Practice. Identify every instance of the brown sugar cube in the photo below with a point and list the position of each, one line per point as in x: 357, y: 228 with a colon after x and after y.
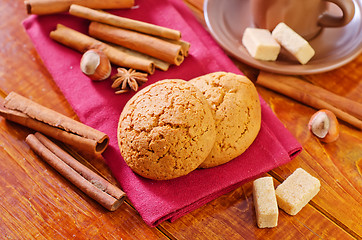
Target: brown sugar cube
x: 265, y: 202
x: 296, y: 191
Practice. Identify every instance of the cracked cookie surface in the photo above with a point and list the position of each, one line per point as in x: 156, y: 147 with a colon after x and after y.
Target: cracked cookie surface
x: 236, y: 108
x: 166, y: 130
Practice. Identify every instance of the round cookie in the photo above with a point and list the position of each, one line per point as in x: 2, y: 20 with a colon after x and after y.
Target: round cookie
x: 236, y: 107
x: 166, y: 130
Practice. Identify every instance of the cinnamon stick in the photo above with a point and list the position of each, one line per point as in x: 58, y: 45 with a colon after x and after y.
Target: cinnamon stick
x: 155, y: 47
x: 114, y: 20
x: 347, y: 105
x: 82, y: 177
x: 306, y: 98
x: 82, y: 43
x: 158, y: 63
x: 23, y: 111
x: 42, y: 7
x: 185, y: 46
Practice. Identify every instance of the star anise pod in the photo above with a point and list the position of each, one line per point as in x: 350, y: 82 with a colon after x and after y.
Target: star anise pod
x: 124, y: 80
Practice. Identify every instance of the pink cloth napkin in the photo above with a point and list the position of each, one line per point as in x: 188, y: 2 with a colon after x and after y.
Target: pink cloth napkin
x: 98, y: 106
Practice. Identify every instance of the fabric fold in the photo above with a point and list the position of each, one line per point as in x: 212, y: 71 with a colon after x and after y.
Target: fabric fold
x: 97, y: 106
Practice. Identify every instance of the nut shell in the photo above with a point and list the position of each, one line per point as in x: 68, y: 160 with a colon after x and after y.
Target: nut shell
x: 332, y: 128
x: 96, y: 65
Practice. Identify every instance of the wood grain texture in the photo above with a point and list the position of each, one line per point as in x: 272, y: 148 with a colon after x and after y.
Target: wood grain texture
x: 37, y: 203
x: 335, y: 164
x: 232, y: 216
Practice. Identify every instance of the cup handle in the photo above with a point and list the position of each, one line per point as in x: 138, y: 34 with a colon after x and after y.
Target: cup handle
x: 347, y: 7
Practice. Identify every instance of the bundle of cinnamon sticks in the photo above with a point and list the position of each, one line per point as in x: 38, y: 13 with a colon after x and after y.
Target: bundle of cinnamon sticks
x: 314, y: 96
x: 96, y: 187
x: 126, y: 42
x: 23, y: 111
x: 30, y: 114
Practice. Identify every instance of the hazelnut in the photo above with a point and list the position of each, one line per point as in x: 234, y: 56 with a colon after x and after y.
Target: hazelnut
x: 324, y: 125
x: 96, y: 65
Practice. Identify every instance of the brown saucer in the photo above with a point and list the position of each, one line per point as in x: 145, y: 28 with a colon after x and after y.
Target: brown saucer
x: 227, y: 20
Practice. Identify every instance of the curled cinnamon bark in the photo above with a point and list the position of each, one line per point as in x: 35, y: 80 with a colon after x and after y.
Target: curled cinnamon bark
x: 82, y: 177
x: 81, y: 42
x: 114, y: 20
x: 347, y: 105
x: 42, y: 7
x: 185, y: 46
x: 159, y: 64
x: 23, y: 111
x: 310, y: 96
x: 155, y: 47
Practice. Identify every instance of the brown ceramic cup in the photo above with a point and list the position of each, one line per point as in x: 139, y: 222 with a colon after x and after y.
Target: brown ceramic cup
x: 306, y: 17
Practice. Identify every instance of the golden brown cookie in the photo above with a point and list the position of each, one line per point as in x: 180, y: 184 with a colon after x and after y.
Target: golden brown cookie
x: 236, y: 107
x: 166, y: 130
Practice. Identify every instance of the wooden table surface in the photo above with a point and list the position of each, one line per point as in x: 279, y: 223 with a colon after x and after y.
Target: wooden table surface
x: 37, y: 203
